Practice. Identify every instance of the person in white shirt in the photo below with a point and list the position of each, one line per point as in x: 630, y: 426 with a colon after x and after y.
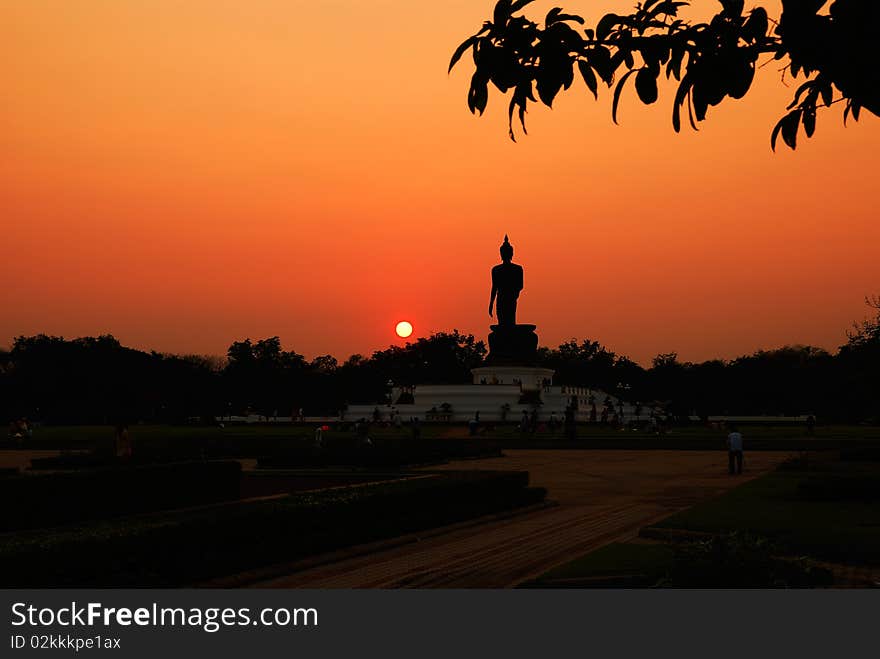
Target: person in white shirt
x: 734, y: 451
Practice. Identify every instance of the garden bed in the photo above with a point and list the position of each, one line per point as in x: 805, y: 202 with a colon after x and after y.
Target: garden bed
x: 48, y: 499
x: 178, y: 548
x: 380, y: 454
x: 338, y: 449
x: 730, y: 560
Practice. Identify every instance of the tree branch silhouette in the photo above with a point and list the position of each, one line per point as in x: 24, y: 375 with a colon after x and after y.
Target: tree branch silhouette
x: 834, y: 52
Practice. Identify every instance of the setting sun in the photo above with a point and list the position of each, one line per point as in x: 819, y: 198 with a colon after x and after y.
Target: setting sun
x: 404, y: 329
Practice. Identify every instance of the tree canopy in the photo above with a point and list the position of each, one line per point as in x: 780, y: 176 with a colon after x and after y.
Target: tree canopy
x: 832, y: 51
x: 97, y: 380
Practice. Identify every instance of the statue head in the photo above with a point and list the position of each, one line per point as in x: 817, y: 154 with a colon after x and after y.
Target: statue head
x: 506, y: 250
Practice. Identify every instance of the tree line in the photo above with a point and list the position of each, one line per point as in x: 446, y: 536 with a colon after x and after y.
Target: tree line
x: 98, y: 380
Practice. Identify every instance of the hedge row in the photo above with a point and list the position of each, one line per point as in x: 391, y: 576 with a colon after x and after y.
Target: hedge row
x: 40, y: 500
x: 380, y: 454
x: 291, y: 452
x: 182, y: 548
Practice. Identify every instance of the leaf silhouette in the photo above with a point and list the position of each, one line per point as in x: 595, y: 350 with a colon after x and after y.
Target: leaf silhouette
x: 503, y: 9
x: 787, y: 126
x: 589, y: 77
x: 478, y: 95
x: 467, y: 43
x: 713, y: 60
x: 552, y: 16
x: 827, y: 94
x: 757, y: 23
x: 646, y: 86
x: 617, y: 91
x: 809, y: 123
x: 570, y: 17
x: 790, y: 127
x: 603, y: 29
x: 680, y: 97
x: 733, y: 7
x: 519, y: 4
x: 549, y: 85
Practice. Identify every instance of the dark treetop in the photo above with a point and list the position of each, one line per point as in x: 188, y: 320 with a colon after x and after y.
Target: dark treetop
x: 835, y: 50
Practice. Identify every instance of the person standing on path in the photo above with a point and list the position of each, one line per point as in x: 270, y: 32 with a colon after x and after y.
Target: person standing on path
x: 570, y: 423
x: 734, y: 451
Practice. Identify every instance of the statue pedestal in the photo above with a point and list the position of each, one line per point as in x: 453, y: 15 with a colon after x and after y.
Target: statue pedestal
x: 512, y: 345
x: 513, y: 352
x: 526, y: 378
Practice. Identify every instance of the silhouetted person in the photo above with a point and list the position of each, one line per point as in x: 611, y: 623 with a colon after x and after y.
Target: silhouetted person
x: 122, y: 444
x: 507, y: 282
x: 416, y: 428
x: 19, y: 431
x: 363, y: 432
x: 734, y: 451
x: 811, y: 425
x: 569, y: 422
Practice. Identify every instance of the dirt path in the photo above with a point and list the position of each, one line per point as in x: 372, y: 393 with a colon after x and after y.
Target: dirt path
x: 603, y: 496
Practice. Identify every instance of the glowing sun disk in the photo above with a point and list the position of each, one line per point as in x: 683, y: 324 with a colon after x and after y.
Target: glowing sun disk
x: 404, y: 329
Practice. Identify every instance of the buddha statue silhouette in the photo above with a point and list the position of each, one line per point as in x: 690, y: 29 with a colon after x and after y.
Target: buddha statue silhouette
x: 507, y: 282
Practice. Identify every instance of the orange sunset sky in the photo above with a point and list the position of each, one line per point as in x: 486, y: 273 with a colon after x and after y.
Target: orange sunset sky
x: 186, y: 174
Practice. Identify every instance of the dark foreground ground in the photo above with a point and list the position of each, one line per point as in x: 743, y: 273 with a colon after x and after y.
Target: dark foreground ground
x: 602, y: 496
x: 812, y: 522
x: 446, y: 510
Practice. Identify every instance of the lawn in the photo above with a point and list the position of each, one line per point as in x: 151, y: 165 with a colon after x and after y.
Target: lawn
x: 837, y: 528
x: 767, y: 532
x: 644, y: 563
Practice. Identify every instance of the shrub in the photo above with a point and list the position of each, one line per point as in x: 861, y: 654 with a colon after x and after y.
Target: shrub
x: 186, y: 547
x: 386, y: 453
x: 740, y: 560
x: 40, y: 500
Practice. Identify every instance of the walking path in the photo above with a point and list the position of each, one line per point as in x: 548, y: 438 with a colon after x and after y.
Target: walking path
x: 603, y: 496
